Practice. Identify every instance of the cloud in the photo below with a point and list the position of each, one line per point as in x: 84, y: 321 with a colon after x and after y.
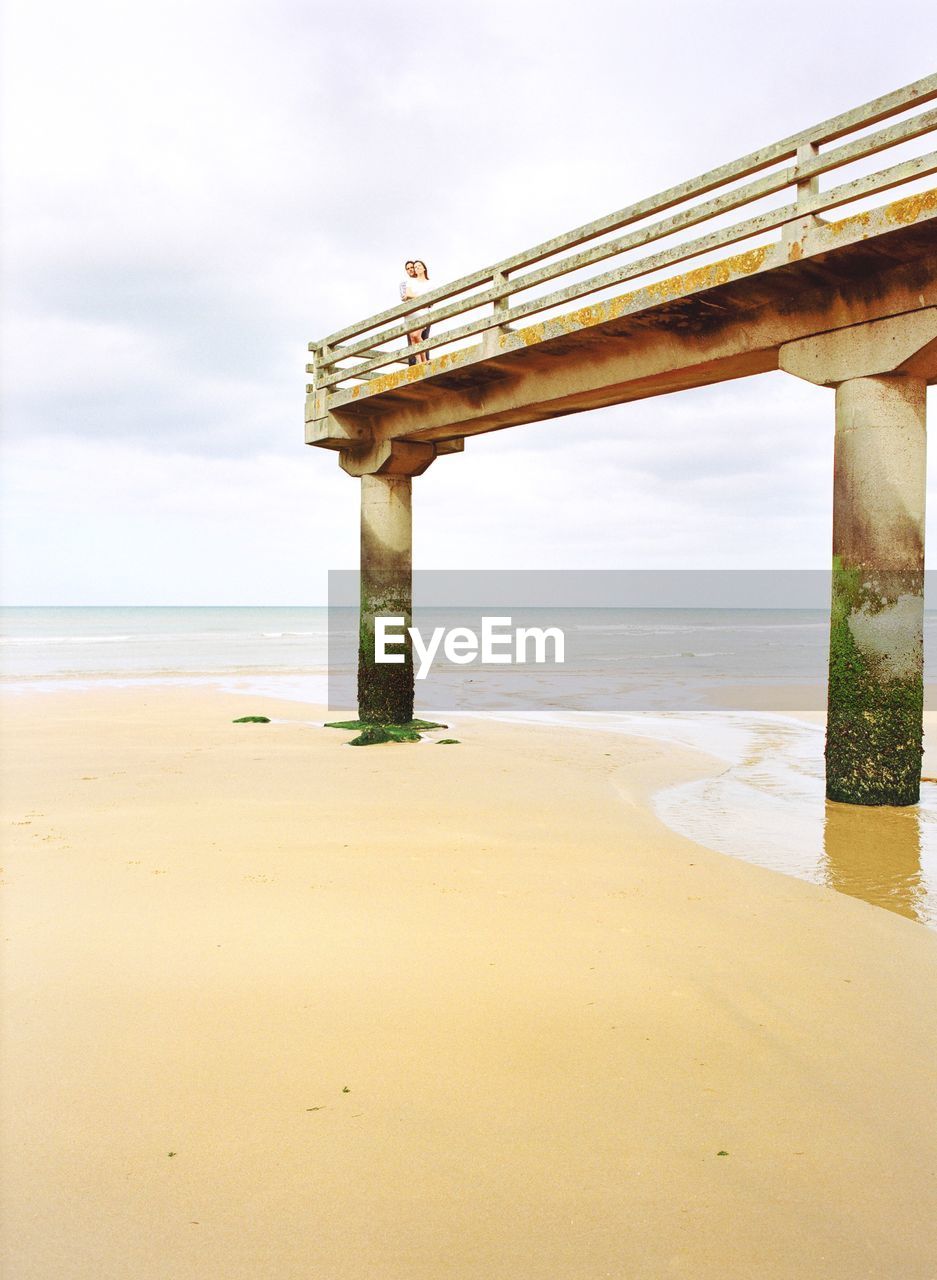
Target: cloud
x: 193, y: 191
x: 88, y: 522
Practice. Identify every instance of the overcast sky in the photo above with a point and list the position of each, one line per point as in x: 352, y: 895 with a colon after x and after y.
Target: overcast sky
x: 194, y: 190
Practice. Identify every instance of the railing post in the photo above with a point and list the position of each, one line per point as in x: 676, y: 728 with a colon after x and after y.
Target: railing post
x: 490, y: 344
x: 319, y: 371
x: 795, y: 232
x: 312, y: 388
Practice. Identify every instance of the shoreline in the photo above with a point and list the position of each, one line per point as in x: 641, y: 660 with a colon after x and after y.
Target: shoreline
x: 551, y: 1014
x: 765, y: 802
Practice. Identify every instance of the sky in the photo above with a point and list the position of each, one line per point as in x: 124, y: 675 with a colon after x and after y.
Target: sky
x: 193, y: 191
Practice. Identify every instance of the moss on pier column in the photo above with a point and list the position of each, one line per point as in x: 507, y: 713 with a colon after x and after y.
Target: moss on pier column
x: 876, y: 691
x: 385, y: 690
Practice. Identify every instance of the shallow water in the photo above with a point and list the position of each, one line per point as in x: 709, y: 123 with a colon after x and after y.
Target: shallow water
x: 768, y: 807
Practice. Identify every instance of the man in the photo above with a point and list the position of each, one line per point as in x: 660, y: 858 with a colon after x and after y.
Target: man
x: 404, y: 288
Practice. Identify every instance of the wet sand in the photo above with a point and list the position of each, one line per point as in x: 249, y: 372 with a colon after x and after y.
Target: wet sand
x: 277, y: 1007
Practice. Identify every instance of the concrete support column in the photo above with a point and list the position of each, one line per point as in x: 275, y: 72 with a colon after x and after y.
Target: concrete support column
x: 386, y: 469
x: 876, y: 683
x: 385, y: 691
x: 880, y: 369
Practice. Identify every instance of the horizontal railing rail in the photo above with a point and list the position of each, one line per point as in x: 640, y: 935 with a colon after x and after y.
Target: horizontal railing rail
x: 503, y: 282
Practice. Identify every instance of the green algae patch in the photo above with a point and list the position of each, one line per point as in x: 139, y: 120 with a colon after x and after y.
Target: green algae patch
x: 370, y: 733
x: 419, y: 725
x: 385, y: 691
x: 874, y: 739
x: 448, y: 742
x: 252, y: 720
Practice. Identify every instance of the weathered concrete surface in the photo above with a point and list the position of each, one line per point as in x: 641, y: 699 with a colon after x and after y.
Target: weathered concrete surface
x: 388, y: 458
x: 874, y: 739
x: 715, y: 323
x: 876, y: 682
x: 386, y: 469
x: 905, y: 343
x: 393, y: 457
x: 385, y: 691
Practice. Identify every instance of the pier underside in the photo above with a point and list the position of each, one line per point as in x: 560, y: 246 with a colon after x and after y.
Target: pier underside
x: 650, y: 342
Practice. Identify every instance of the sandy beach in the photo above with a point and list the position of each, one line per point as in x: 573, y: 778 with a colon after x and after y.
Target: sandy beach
x: 277, y: 1007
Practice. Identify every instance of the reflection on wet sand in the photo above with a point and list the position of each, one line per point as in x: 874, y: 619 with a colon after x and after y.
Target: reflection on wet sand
x: 768, y: 807
x: 875, y: 855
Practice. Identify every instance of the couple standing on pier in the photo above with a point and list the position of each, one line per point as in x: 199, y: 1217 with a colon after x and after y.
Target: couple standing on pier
x: 416, y: 284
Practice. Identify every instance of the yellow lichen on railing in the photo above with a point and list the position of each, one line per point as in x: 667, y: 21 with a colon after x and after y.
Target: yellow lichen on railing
x: 903, y: 212
x: 714, y: 273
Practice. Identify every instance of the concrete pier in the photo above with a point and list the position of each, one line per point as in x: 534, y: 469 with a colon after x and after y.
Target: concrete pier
x: 874, y: 739
x: 847, y: 302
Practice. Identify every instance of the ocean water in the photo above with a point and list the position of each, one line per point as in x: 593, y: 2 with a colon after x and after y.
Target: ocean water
x: 657, y: 673
x: 43, y: 644
x: 620, y: 659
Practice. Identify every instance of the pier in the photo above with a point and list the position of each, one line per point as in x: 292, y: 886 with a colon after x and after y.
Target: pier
x: 760, y: 265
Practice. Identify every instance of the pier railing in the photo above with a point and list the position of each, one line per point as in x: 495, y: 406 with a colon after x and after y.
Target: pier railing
x: 481, y: 304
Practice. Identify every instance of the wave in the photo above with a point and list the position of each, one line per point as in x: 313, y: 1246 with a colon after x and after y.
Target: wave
x: 636, y: 658
x: 38, y: 640
x: 671, y: 628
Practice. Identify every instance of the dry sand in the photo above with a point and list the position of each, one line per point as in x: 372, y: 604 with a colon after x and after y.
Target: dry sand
x: 274, y: 1007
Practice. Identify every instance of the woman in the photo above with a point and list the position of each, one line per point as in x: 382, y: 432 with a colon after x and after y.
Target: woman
x: 416, y: 284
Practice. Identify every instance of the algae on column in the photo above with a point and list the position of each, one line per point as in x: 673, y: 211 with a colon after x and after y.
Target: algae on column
x: 874, y: 737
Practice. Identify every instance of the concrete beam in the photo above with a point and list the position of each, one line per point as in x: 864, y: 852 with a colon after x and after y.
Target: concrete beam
x: 326, y: 431
x: 896, y: 344
x: 388, y: 458
x: 395, y: 457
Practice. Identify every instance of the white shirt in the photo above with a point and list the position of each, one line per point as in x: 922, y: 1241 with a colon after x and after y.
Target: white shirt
x: 414, y: 287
